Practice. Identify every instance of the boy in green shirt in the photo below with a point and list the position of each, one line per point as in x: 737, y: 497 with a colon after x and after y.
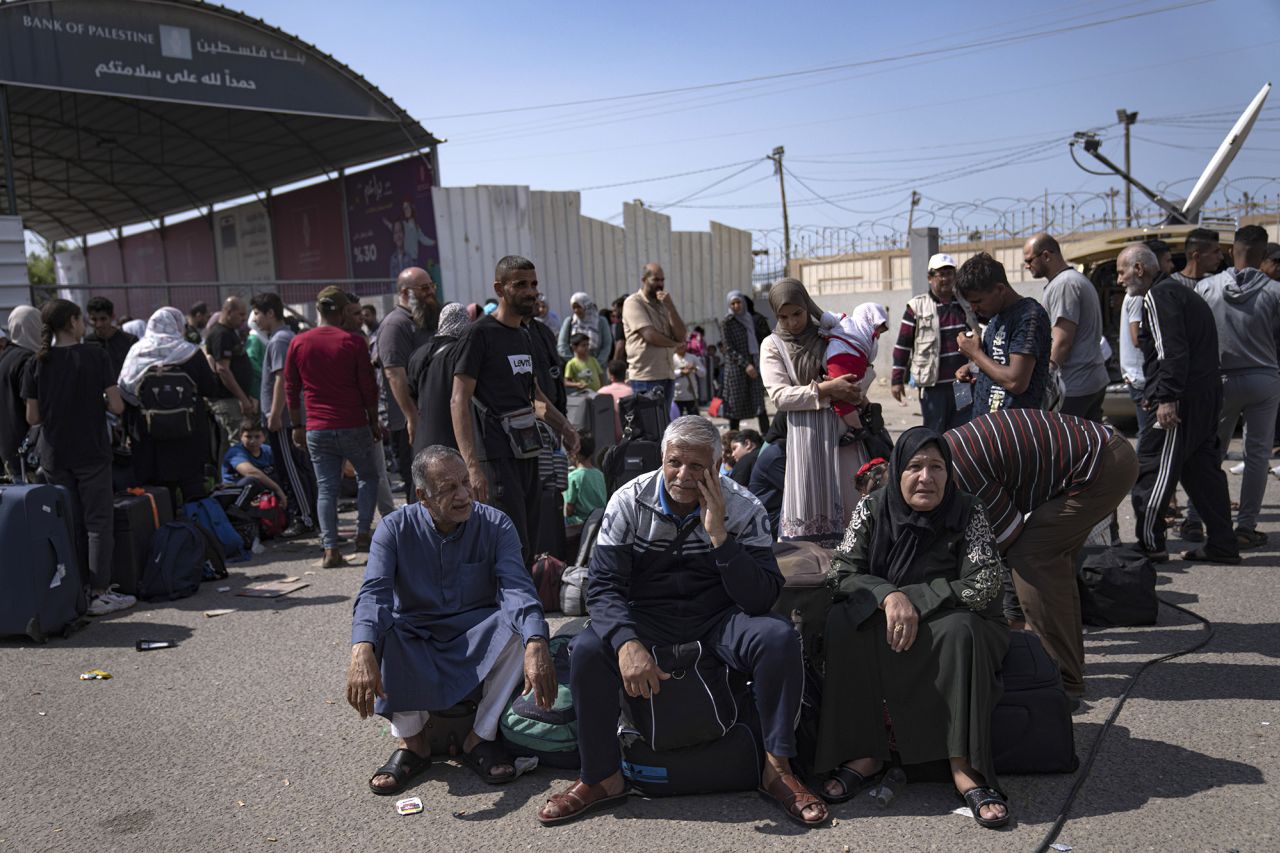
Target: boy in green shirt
x: 586, y: 484
x: 583, y: 372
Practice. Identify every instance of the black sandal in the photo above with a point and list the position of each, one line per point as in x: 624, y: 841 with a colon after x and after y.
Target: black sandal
x: 404, y: 766
x: 486, y: 755
x: 976, y: 798
x: 851, y: 779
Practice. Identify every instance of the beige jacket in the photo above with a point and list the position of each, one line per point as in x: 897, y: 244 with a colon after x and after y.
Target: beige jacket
x: 779, y: 381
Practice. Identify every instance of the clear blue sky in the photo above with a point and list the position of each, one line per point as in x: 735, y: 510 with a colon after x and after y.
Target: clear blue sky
x: 877, y: 130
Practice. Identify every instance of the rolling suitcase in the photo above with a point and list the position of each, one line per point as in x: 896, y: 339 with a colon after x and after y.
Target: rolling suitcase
x: 40, y: 572
x: 592, y: 414
x: 139, y: 513
x: 806, y: 592
x: 1031, y: 725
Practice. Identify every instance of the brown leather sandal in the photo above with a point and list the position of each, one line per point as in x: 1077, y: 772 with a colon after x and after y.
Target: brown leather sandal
x: 790, y: 793
x: 578, y: 799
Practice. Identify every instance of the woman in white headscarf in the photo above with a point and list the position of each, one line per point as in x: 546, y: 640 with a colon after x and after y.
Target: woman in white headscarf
x: 178, y: 463
x: 137, y: 328
x: 585, y: 319
x: 24, y: 340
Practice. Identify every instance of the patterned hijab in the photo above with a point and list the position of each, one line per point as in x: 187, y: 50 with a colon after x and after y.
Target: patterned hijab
x: 454, y: 319
x: 807, y: 349
x: 165, y: 342
x: 744, y: 317
x: 902, y: 533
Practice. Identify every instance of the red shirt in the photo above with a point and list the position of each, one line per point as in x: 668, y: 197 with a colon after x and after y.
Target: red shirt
x: 329, y: 368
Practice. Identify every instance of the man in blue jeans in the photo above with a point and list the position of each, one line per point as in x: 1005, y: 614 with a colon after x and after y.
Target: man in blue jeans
x: 329, y: 367
x: 652, y: 329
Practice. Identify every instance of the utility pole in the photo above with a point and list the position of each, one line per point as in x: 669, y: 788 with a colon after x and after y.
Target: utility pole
x: 1127, y: 119
x: 776, y: 157
x: 911, y: 213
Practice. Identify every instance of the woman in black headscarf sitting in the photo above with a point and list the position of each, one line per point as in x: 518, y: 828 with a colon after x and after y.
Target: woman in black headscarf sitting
x: 915, y: 640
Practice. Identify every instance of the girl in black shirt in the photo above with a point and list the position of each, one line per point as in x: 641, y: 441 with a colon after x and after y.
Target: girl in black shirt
x: 69, y: 386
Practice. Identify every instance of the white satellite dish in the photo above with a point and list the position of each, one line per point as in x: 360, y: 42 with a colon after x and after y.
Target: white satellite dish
x: 1222, y: 159
x: 1189, y: 212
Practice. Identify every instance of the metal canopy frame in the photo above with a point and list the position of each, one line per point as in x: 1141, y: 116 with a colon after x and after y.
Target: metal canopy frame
x: 78, y: 162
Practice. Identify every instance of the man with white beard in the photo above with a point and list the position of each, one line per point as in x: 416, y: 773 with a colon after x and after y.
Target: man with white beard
x: 408, y: 326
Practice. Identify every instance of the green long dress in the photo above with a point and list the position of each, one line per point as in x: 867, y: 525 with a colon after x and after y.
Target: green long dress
x: 939, y: 693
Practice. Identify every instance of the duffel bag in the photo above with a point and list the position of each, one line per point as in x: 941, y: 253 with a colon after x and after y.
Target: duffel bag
x: 732, y: 762
x: 695, y: 705
x: 573, y: 591
x: 1117, y: 587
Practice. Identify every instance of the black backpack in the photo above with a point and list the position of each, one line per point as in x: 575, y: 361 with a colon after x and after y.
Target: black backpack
x: 176, y: 565
x: 168, y: 399
x: 629, y: 459
x: 644, y: 415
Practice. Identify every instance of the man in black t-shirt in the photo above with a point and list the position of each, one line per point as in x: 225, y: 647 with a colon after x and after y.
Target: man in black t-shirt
x: 406, y: 327
x: 495, y: 368
x: 102, y: 317
x: 236, y: 398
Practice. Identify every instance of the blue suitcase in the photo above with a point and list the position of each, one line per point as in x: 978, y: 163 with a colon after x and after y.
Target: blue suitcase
x: 44, y: 587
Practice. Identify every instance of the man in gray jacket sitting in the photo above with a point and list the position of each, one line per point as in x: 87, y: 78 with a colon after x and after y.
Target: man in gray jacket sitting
x: 1246, y: 310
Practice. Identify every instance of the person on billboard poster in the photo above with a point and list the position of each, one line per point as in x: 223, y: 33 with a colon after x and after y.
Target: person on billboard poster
x: 401, y: 258
x: 413, y: 238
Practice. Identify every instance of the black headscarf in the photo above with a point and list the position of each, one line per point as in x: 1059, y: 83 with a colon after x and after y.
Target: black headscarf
x: 901, y: 533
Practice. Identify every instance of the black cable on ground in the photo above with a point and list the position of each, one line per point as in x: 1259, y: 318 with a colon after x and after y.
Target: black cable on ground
x: 1111, y: 718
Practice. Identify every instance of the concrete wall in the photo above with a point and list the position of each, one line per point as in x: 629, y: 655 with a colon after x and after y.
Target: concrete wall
x: 478, y: 225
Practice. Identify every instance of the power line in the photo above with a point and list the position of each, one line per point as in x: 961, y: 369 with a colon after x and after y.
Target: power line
x: 1000, y: 40
x: 665, y: 177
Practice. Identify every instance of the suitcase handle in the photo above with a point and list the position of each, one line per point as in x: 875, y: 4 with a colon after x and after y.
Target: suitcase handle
x: 155, y: 509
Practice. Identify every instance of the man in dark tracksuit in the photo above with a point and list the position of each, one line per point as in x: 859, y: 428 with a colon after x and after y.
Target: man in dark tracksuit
x: 683, y: 555
x: 1179, y: 342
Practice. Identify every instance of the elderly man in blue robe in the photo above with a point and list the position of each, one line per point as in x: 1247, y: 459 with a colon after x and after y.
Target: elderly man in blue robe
x: 445, y: 606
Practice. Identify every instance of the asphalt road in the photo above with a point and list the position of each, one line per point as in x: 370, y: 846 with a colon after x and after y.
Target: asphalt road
x: 239, y: 739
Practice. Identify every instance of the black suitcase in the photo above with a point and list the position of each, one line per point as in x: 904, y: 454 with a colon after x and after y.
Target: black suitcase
x: 592, y: 414
x: 628, y: 459
x: 1031, y: 725
x: 137, y: 518
x: 45, y: 590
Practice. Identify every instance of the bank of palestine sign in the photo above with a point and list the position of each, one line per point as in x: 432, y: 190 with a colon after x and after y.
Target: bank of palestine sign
x: 171, y: 51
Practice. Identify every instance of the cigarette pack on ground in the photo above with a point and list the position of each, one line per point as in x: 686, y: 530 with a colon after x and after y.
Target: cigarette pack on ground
x: 412, y: 805
x: 271, y: 589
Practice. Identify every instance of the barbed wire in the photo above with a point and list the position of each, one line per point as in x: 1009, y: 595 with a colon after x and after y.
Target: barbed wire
x: 1005, y: 218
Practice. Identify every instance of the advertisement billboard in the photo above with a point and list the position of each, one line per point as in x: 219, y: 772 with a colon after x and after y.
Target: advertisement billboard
x: 391, y: 222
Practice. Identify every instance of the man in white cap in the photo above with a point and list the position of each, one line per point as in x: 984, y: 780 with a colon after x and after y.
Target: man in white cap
x: 927, y: 349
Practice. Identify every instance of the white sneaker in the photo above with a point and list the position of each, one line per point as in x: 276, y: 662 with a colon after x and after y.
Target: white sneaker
x: 110, y: 602
x: 1275, y: 472
x: 1237, y: 469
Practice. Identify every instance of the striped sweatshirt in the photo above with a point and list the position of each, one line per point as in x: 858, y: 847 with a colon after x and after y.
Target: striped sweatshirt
x: 951, y: 322
x: 1016, y: 460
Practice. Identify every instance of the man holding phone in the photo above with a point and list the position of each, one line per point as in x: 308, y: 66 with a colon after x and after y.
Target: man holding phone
x: 1013, y: 356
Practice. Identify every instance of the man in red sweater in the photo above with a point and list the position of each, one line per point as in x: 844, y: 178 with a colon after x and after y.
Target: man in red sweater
x: 329, y: 368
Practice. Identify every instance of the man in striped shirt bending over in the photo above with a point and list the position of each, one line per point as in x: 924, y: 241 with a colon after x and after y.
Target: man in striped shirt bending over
x: 1046, y: 480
